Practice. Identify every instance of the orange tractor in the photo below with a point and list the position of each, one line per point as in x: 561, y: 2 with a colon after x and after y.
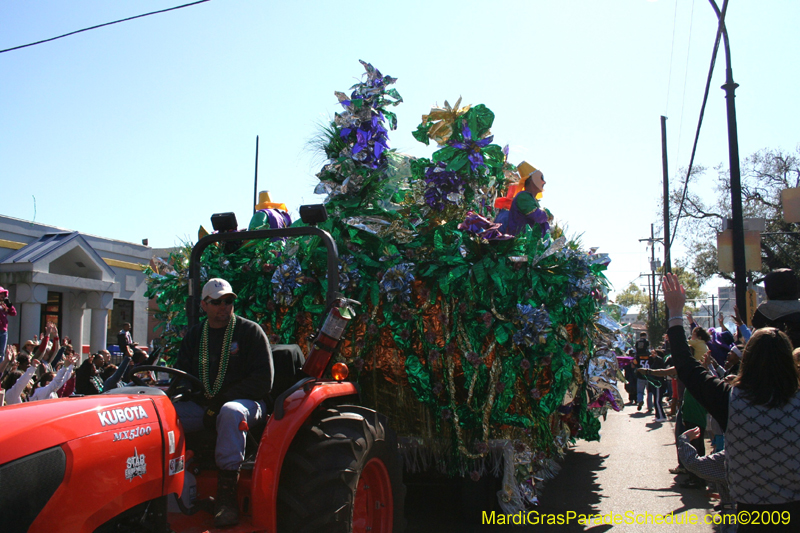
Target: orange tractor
x: 120, y: 461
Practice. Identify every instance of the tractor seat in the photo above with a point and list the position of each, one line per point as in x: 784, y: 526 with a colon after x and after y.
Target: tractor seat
x: 288, y: 360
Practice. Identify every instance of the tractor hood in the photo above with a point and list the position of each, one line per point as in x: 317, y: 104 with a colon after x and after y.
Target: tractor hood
x: 34, y: 426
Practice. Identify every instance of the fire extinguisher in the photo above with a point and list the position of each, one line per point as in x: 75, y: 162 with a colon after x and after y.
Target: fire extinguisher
x: 331, y: 332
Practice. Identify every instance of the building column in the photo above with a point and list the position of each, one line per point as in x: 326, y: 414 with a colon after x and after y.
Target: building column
x: 30, y: 298
x: 100, y: 303
x: 75, y: 332
x: 99, y: 330
x: 29, y: 321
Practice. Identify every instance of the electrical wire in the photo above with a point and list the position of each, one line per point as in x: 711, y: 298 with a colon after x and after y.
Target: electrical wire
x: 720, y: 27
x: 671, y: 53
x: 685, y: 78
x: 102, y: 25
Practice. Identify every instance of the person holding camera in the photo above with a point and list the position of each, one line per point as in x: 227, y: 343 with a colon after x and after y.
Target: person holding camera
x: 6, y: 310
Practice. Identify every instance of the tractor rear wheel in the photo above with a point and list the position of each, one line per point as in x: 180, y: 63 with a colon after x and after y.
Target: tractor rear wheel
x: 342, y: 474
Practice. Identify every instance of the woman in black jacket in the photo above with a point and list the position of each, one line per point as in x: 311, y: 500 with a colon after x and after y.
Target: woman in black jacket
x: 760, y: 414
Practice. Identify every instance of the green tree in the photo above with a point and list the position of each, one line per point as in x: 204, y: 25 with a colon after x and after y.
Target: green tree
x: 656, y: 322
x: 764, y: 175
x: 631, y: 296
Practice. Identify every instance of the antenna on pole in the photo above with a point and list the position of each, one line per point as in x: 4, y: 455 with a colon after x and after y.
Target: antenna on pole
x: 255, y: 180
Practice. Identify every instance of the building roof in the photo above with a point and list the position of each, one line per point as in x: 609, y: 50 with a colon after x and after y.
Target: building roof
x: 59, y: 253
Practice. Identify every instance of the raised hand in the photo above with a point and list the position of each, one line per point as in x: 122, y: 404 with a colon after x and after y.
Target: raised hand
x: 736, y: 316
x: 674, y: 294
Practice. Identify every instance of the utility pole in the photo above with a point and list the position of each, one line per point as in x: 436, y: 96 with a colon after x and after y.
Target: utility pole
x: 667, y: 238
x: 654, y: 266
x: 255, y: 181
x: 739, y: 267
x: 652, y: 270
x: 713, y: 311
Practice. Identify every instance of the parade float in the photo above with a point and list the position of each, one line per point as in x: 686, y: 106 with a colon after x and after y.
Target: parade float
x: 487, y: 351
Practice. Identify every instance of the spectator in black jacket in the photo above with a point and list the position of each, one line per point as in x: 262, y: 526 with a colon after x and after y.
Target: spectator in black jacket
x: 782, y: 308
x: 759, y: 413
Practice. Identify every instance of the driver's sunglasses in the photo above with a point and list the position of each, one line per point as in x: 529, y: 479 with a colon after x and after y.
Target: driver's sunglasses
x: 222, y: 301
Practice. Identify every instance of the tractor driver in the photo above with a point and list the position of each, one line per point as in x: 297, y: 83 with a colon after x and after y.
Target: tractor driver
x: 232, y: 357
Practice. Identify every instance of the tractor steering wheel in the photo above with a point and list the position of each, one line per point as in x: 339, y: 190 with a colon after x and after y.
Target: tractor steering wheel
x: 177, y: 377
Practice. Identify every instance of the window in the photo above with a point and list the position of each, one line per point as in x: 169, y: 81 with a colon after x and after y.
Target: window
x: 51, y: 311
x: 121, y: 313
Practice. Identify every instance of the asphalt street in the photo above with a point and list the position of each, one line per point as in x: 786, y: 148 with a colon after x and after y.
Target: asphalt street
x: 624, y: 477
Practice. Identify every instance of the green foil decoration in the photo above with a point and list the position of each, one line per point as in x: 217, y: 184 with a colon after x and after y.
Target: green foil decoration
x: 442, y: 363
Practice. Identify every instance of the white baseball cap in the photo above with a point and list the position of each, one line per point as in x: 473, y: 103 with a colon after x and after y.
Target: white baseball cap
x: 217, y: 288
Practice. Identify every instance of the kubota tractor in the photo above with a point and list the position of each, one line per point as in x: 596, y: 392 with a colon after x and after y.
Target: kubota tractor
x: 117, y: 462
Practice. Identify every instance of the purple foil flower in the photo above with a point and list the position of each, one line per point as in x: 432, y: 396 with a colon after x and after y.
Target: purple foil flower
x: 482, y: 226
x: 362, y: 119
x: 532, y: 323
x: 474, y: 149
x: 285, y: 280
x: 443, y: 187
x: 397, y: 281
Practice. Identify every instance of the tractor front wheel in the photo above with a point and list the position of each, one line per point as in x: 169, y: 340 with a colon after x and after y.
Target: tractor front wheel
x: 342, y: 474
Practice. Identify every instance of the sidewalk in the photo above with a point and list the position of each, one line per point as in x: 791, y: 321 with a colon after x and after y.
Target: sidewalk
x: 626, y: 473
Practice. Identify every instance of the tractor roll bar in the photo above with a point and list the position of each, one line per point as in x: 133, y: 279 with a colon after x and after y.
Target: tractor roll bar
x: 193, y: 302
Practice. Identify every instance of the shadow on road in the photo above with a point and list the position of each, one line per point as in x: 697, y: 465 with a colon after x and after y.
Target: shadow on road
x: 446, y: 506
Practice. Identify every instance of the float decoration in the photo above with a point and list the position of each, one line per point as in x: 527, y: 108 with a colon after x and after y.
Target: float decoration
x: 481, y: 347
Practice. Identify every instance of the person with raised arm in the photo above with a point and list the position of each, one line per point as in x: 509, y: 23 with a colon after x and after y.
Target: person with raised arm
x: 759, y: 413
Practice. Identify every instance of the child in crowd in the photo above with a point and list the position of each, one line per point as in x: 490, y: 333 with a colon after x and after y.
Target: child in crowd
x: 709, y: 468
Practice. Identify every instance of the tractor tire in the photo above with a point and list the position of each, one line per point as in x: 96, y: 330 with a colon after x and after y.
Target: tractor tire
x: 342, y: 474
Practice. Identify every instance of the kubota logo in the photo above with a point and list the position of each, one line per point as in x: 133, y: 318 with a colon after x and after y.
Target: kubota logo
x: 119, y: 416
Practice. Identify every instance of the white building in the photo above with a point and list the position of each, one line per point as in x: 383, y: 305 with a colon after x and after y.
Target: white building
x: 89, y: 286
x: 631, y: 315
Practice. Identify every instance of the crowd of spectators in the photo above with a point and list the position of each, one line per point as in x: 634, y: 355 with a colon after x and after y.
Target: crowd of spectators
x: 47, y: 367
x: 740, y: 391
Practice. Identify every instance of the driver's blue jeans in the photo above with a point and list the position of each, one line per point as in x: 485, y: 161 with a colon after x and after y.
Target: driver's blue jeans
x: 229, y: 451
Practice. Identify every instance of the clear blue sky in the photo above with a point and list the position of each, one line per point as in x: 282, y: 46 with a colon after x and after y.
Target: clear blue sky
x: 144, y: 129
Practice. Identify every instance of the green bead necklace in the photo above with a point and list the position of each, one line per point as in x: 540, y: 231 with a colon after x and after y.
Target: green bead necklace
x: 223, y: 360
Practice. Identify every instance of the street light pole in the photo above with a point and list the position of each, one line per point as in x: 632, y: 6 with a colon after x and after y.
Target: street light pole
x: 737, y: 226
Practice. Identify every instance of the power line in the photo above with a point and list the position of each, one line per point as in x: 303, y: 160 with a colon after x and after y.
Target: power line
x: 685, y: 79
x: 720, y: 27
x: 102, y: 25
x: 671, y: 53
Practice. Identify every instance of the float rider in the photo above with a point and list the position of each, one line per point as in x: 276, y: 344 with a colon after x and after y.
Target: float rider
x: 525, y: 210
